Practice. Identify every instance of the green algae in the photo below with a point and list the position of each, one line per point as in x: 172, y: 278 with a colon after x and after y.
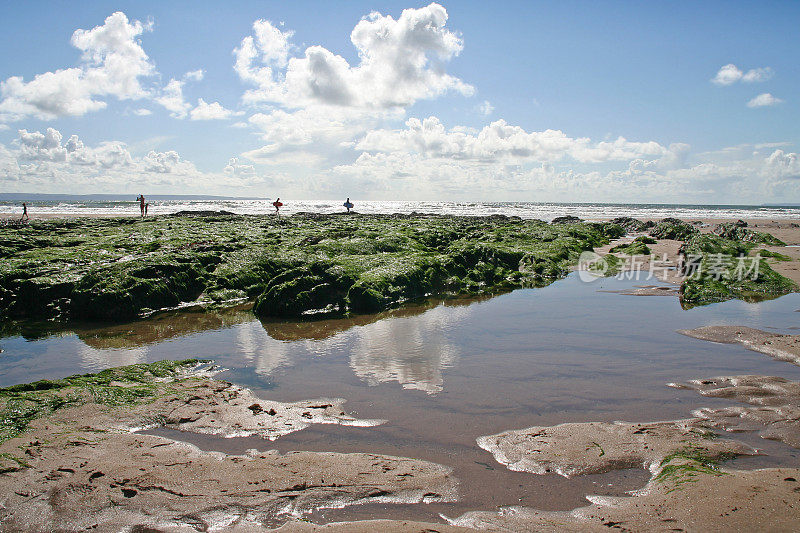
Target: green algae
x: 637, y: 247
x: 119, y: 269
x: 22, y: 404
x: 687, y: 464
x: 673, y: 228
x: 738, y: 231
x: 774, y: 255
x: 12, y: 463
x: 719, y: 269
x: 632, y: 225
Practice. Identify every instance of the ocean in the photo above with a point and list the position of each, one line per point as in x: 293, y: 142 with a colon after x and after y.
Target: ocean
x: 73, y: 205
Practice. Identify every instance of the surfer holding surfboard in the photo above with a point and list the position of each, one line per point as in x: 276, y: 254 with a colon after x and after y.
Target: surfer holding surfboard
x: 278, y: 204
x: 348, y: 204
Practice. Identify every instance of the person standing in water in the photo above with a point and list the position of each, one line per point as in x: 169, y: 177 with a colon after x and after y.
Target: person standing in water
x: 141, y: 203
x: 348, y: 204
x: 24, y: 216
x: 277, y: 203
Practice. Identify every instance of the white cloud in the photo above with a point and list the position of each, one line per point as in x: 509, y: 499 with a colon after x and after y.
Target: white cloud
x: 37, y: 146
x: 112, y: 64
x: 500, y: 141
x: 486, y: 108
x: 757, y: 75
x: 44, y: 162
x: 730, y: 74
x: 238, y: 169
x: 172, y: 99
x: 166, y: 163
x: 212, y: 111
x: 142, y: 112
x: 194, y: 75
x: 784, y: 165
x: 401, y: 61
x: 297, y: 158
x: 759, y: 177
x: 764, y: 100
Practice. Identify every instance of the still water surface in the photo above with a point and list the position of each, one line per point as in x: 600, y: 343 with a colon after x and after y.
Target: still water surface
x: 444, y: 372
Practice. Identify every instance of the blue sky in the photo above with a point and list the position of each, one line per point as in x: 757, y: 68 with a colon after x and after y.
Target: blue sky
x: 534, y: 101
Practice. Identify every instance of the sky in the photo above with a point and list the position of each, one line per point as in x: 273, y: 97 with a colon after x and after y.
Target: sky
x: 679, y: 102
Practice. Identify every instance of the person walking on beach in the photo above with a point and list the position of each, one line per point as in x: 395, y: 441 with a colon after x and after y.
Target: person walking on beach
x: 348, y: 204
x: 278, y: 204
x: 24, y: 216
x: 140, y: 198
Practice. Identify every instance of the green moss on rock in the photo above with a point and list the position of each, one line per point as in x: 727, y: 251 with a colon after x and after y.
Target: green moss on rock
x: 118, y: 269
x: 672, y: 228
x: 719, y: 269
x: 636, y: 247
x: 21, y: 404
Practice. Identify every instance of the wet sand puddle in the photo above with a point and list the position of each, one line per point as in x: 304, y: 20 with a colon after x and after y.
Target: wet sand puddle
x: 445, y: 372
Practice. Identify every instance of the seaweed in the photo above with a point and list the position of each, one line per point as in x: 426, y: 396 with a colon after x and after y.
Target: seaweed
x: 120, y: 269
x: 687, y: 464
x: 719, y: 269
x: 24, y: 403
x: 738, y: 231
x: 673, y: 228
x: 774, y: 255
x: 637, y: 247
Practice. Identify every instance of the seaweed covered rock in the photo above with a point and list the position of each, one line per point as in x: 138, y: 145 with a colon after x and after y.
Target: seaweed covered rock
x: 125, y: 291
x: 672, y: 228
x: 566, y: 219
x: 718, y: 269
x: 637, y: 247
x: 631, y: 224
x: 309, y: 288
x: 118, y: 269
x: 738, y: 232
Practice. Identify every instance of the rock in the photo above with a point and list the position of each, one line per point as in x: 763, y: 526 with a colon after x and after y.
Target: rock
x: 567, y: 219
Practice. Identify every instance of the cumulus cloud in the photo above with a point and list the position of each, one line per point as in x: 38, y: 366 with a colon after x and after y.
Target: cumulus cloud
x: 142, y: 112
x: 38, y: 146
x: 112, y: 64
x: 730, y: 74
x: 212, y: 111
x: 784, y: 165
x: 764, y: 100
x: 45, y: 161
x: 400, y: 61
x: 318, y: 125
x: 172, y: 99
x: 500, y: 141
x: 760, y: 176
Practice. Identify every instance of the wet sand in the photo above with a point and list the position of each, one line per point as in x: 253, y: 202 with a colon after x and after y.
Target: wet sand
x: 67, y: 467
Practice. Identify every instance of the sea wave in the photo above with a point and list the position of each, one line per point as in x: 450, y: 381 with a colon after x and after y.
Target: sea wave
x: 526, y: 210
